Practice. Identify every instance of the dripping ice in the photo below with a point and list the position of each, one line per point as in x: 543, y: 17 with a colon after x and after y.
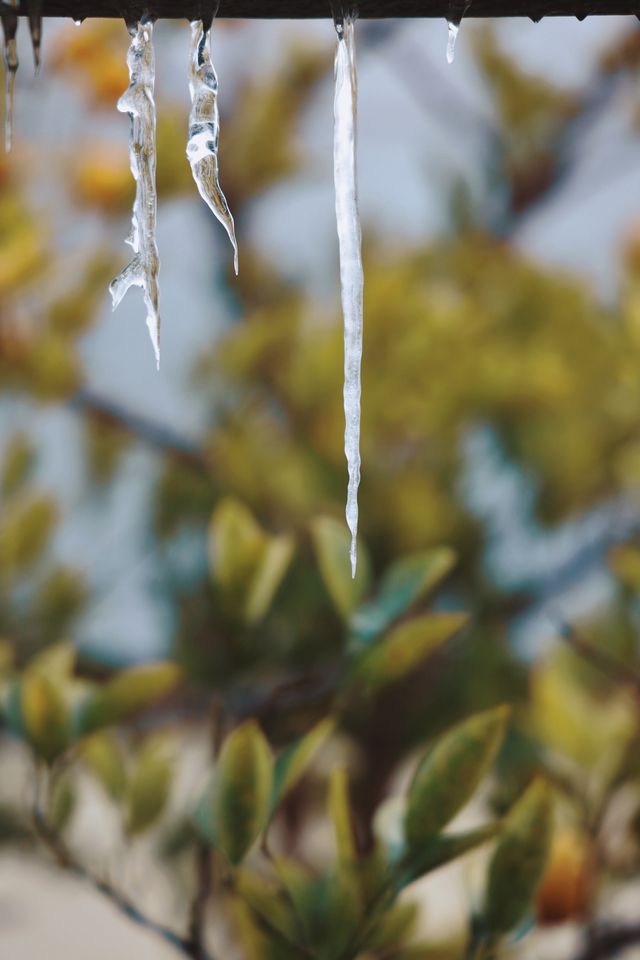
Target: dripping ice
x: 35, y: 29
x: 204, y: 130
x: 453, y: 26
x: 137, y: 101
x: 351, y: 274
x: 9, y: 18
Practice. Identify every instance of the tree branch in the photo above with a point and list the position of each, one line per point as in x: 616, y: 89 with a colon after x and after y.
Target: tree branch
x: 185, y: 945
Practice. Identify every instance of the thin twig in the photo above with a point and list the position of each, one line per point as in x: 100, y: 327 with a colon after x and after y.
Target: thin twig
x: 66, y: 860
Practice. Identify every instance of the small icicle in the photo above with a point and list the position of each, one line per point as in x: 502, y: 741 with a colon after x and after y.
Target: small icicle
x: 9, y: 19
x: 349, y: 241
x: 78, y: 22
x: 204, y: 130
x: 137, y: 101
x: 453, y: 27
x: 35, y: 29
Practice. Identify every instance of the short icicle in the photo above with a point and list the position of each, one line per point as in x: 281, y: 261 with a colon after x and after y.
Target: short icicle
x: 35, y: 29
x: 9, y: 18
x: 453, y: 26
x: 137, y: 101
x: 204, y: 129
x: 349, y: 241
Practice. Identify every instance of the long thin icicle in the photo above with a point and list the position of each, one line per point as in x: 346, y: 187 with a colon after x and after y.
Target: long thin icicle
x: 10, y: 52
x: 204, y: 130
x: 351, y: 274
x: 137, y: 101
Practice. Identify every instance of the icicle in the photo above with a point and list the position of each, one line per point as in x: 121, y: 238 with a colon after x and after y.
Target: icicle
x: 204, y: 130
x: 349, y: 240
x: 9, y: 28
x: 137, y: 101
x: 453, y: 27
x: 35, y: 29
x: 78, y: 22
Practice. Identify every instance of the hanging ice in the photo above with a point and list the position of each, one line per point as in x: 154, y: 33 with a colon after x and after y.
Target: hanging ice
x: 349, y: 241
x: 9, y: 18
x: 35, y: 29
x: 204, y: 130
x: 137, y: 101
x: 453, y: 28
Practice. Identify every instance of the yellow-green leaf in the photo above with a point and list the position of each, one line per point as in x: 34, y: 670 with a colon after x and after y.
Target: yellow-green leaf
x: 19, y: 457
x: 242, y: 794
x: 331, y: 541
x: 128, y: 693
x: 25, y: 529
x: 292, y: 763
x: 519, y: 859
x: 62, y: 801
x: 624, y: 560
x: 45, y: 716
x: 102, y: 754
x: 449, y: 774
x: 340, y: 812
x: 56, y: 662
x: 443, y: 849
x: 268, y: 901
x: 268, y: 576
x: 402, y: 586
x: 247, y: 564
x: 406, y: 646
x: 149, y: 787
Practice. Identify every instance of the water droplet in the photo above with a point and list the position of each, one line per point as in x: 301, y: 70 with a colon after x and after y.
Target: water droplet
x: 351, y: 274
x: 453, y: 27
x: 204, y: 130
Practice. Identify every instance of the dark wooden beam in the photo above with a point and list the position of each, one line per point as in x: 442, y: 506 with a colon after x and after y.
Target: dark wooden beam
x: 321, y: 9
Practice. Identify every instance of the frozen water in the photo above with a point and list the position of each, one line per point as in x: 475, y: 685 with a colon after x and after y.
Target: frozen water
x: 349, y: 241
x: 137, y: 101
x: 453, y: 27
x: 10, y: 52
x: 204, y: 130
x: 35, y: 29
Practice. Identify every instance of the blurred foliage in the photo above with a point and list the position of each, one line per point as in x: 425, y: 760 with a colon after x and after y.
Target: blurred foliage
x: 369, y: 712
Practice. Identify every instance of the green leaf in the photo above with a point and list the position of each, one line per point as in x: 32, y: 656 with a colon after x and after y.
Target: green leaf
x: 102, y: 754
x: 269, y: 902
x: 332, y: 541
x: 402, y: 586
x: 405, y: 647
x: 56, y: 662
x: 25, y: 529
x: 247, y: 564
x: 624, y: 560
x: 242, y: 794
x: 519, y: 859
x: 19, y: 458
x: 45, y: 717
x: 450, y: 773
x: 268, y: 576
x: 127, y: 694
x: 292, y: 763
x: 149, y: 787
x: 442, y: 850
x: 340, y: 813
x: 62, y: 802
